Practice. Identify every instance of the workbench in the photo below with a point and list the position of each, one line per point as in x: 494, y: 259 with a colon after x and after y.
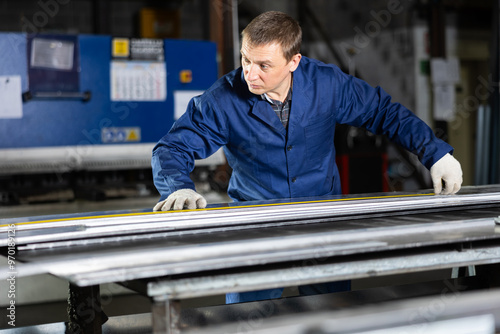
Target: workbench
x: 236, y: 247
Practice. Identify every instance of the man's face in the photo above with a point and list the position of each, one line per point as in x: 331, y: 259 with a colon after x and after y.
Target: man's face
x: 266, y: 69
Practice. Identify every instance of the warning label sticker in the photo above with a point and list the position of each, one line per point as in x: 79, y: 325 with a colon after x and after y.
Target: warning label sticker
x: 120, y: 47
x: 120, y: 134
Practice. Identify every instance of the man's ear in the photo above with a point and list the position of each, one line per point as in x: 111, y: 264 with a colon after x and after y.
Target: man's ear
x: 294, y: 63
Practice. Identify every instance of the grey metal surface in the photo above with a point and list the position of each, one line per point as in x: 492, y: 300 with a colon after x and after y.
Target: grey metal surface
x: 95, y: 265
x: 144, y: 245
x: 55, y: 230
x: 320, y: 273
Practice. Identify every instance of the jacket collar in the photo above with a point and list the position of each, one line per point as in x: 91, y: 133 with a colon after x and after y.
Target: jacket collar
x: 300, y: 100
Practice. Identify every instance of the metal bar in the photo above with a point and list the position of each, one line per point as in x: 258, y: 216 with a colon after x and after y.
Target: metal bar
x: 166, y: 315
x: 244, y: 216
x: 84, y: 310
x: 82, y: 96
x: 485, y: 170
x: 96, y: 267
x: 480, y: 152
x: 283, y: 277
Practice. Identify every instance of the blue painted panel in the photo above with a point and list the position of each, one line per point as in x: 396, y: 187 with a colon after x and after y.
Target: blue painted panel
x: 56, y: 123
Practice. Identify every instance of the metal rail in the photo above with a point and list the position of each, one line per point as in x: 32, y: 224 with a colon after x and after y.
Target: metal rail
x: 244, y: 216
x: 214, y: 245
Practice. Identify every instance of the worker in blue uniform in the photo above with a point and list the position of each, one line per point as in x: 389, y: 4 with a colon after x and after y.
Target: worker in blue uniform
x: 275, y: 117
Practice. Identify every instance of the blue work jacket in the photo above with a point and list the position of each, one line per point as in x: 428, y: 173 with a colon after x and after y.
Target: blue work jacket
x: 269, y: 162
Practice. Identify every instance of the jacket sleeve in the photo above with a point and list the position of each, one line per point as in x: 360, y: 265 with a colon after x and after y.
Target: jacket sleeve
x: 197, y: 134
x: 361, y: 105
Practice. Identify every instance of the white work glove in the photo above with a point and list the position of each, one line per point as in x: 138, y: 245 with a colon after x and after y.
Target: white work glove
x: 180, y: 199
x: 447, y: 170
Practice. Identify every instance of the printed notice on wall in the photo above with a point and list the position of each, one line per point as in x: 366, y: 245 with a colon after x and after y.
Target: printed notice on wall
x: 10, y: 95
x: 181, y: 101
x: 138, y: 81
x: 444, y: 102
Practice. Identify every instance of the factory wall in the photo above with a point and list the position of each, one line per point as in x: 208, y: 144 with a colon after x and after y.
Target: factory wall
x: 385, y: 42
x: 117, y: 18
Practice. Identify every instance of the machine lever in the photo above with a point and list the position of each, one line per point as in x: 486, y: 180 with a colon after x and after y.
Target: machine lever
x: 84, y: 96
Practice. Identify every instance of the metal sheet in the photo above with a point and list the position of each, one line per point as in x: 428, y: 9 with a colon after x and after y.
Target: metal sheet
x: 134, y: 246
x: 94, y: 265
x: 240, y: 217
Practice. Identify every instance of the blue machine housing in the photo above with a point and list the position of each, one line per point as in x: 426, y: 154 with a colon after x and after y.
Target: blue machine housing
x: 57, y: 134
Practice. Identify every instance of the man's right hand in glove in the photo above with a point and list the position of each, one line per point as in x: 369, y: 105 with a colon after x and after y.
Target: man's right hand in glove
x: 446, y: 170
x: 182, y: 199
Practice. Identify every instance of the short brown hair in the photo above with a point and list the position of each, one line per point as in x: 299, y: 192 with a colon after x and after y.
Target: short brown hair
x: 272, y: 27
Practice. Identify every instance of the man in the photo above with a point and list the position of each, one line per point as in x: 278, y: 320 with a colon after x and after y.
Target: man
x: 275, y: 117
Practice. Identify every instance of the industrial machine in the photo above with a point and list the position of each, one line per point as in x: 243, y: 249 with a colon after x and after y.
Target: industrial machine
x: 79, y: 111
x: 171, y: 256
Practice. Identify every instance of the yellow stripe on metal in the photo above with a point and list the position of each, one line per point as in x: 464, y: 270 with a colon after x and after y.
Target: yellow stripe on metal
x: 210, y: 209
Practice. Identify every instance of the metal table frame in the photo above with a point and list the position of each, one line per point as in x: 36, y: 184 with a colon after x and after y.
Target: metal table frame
x: 170, y: 273
x: 166, y: 294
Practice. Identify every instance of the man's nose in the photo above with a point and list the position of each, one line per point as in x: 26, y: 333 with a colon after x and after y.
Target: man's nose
x: 251, y: 72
